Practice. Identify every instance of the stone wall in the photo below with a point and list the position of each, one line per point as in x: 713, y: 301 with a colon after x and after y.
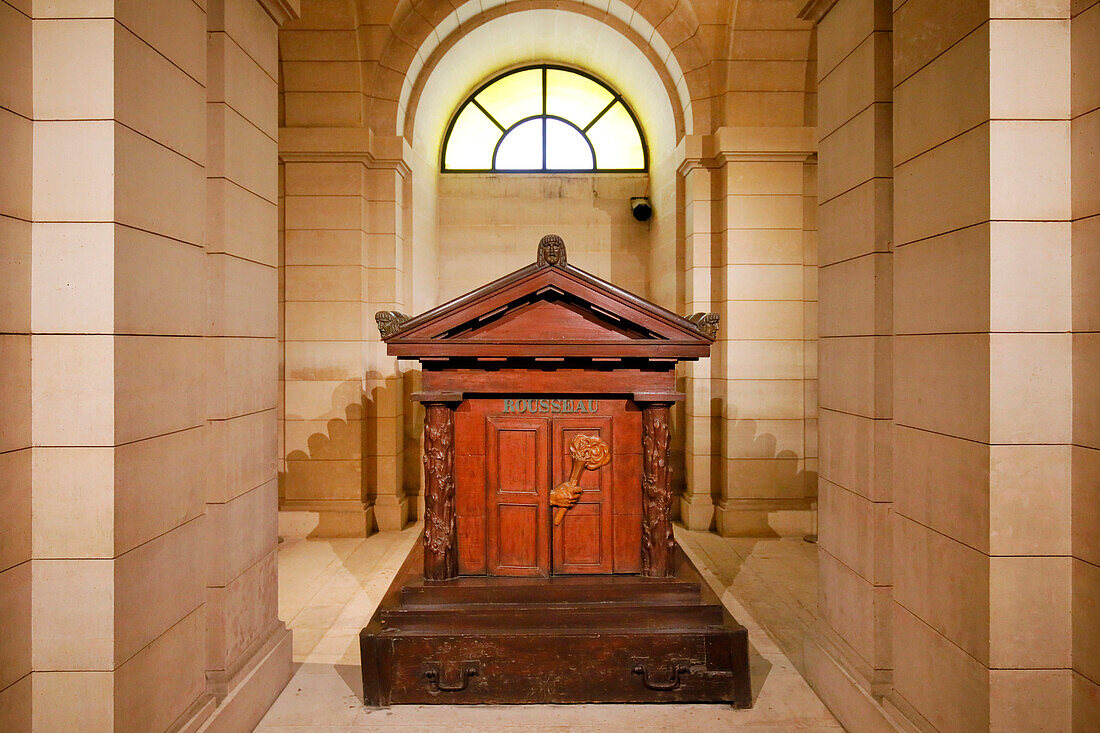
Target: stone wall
x: 1085, y: 229
x: 490, y: 225
x: 956, y: 445
x: 16, y: 126
x: 140, y: 273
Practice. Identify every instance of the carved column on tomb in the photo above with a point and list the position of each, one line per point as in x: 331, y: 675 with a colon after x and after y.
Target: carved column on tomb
x: 658, y: 543
x: 440, y: 526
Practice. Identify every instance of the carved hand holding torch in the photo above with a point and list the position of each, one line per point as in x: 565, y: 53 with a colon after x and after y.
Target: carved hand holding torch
x: 589, y: 452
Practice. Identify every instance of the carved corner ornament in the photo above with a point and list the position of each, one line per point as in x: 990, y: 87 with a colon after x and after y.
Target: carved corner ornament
x: 551, y: 251
x: 706, y: 324
x: 589, y: 452
x: 389, y: 322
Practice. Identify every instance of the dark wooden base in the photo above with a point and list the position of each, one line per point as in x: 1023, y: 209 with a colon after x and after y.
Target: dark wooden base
x: 573, y: 639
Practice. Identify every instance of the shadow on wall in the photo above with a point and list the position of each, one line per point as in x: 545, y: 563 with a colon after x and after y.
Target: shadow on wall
x: 341, y: 469
x: 757, y: 470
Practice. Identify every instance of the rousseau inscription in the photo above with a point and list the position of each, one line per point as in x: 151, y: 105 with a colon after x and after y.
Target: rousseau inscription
x: 551, y: 405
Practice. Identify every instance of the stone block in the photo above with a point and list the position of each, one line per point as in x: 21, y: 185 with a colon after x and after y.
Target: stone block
x: 942, y: 284
x: 1031, y: 385
x: 15, y: 272
x: 165, y: 678
x: 951, y: 494
x: 856, y: 222
x: 15, y: 606
x: 1029, y: 612
x: 243, y: 296
x: 15, y: 495
x: 947, y: 384
x: 856, y: 296
x: 243, y: 224
x: 73, y: 503
x: 856, y: 532
x: 73, y: 594
x: 71, y: 391
x: 763, y: 438
x: 69, y: 701
x: 926, y: 28
x: 143, y: 365
x: 158, y: 486
x: 1028, y: 61
x: 154, y: 589
x: 1029, y: 499
x: 762, y: 319
x: 155, y: 189
x: 858, y: 81
x: 1041, y: 147
x: 945, y: 685
x: 752, y: 399
x: 925, y: 206
x: 946, y: 584
x: 15, y: 74
x: 241, y: 152
x: 176, y: 32
x: 74, y: 69
x: 74, y: 165
x: 1086, y: 612
x: 155, y: 97
x: 239, y: 81
x: 764, y: 282
x: 922, y: 117
x: 15, y: 392
x: 856, y: 610
x: 1032, y: 699
x: 855, y: 374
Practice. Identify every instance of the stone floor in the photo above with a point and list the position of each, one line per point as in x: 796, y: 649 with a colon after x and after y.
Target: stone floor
x: 329, y: 588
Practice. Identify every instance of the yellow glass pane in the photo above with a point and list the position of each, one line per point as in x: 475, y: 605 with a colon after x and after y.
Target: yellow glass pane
x: 473, y: 137
x: 617, y: 141
x: 566, y: 148
x: 521, y: 149
x: 574, y: 97
x: 513, y: 97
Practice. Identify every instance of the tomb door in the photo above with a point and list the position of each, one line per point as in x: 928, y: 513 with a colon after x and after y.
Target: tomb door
x: 582, y: 542
x: 517, y: 482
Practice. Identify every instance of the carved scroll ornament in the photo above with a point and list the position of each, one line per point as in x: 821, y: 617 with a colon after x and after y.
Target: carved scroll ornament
x: 706, y: 323
x: 589, y: 452
x: 389, y: 322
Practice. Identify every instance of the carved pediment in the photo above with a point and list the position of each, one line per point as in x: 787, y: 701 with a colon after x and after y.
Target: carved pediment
x: 548, y: 309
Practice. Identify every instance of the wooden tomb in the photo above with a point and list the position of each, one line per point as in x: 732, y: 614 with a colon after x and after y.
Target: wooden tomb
x: 548, y: 571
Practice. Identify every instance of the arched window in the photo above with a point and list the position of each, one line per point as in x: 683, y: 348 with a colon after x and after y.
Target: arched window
x: 544, y: 119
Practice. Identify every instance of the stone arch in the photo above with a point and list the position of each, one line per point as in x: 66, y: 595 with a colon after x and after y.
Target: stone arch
x: 666, y: 32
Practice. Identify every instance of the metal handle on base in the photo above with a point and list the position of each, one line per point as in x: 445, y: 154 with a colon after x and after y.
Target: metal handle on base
x: 678, y: 668
x: 433, y: 672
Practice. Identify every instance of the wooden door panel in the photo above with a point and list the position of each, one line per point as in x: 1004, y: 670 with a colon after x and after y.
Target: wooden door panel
x: 517, y: 482
x: 518, y: 536
x: 583, y: 541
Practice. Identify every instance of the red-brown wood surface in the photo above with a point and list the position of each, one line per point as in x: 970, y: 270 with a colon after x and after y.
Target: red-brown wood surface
x: 517, y: 481
x: 582, y: 543
x: 658, y: 542
x: 440, y: 526
x: 489, y: 380
x: 561, y: 639
x: 456, y: 328
x: 527, y: 324
x: 606, y: 535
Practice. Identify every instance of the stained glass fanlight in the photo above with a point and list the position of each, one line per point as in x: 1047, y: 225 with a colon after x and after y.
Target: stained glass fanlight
x: 544, y: 119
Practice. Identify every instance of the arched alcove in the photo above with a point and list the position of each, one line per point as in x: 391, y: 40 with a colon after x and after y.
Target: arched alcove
x: 456, y: 219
